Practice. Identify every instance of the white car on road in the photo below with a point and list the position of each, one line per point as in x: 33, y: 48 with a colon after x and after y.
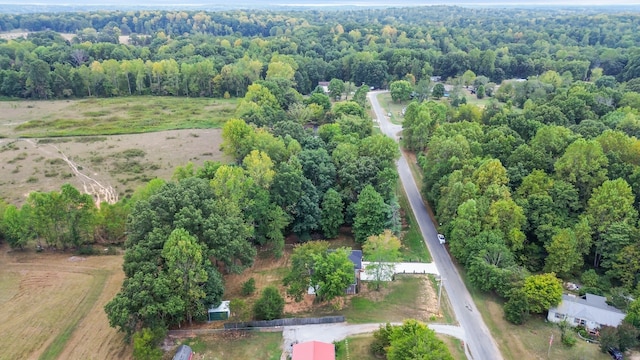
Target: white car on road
x: 441, y: 239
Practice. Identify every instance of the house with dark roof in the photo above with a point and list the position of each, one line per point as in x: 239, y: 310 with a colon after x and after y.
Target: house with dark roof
x: 590, y: 311
x: 313, y: 350
x: 355, y: 256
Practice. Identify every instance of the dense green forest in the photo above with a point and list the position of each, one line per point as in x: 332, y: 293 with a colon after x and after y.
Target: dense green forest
x: 540, y: 183
x: 210, y: 54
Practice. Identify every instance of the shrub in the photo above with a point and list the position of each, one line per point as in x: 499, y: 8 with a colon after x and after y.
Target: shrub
x: 590, y: 290
x: 608, y: 338
x: 240, y: 310
x: 145, y: 343
x: 381, y: 340
x: 568, y: 340
x: 270, y: 305
x: 86, y: 250
x: 589, y: 278
x: 248, y: 287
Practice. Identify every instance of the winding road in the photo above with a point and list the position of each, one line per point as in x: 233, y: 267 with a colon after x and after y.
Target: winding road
x: 478, y: 338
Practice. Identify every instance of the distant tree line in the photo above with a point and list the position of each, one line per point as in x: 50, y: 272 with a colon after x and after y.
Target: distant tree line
x: 218, y: 53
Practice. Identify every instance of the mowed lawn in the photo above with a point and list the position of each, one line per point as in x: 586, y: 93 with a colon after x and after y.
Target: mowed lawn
x: 51, y: 306
x: 111, y: 116
x: 236, y: 345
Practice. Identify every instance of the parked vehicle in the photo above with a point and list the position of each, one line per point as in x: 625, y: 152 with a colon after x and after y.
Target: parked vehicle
x: 441, y: 239
x: 616, y: 354
x: 184, y: 352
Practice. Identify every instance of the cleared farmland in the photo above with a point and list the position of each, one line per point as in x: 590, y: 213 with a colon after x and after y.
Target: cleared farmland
x: 51, y: 306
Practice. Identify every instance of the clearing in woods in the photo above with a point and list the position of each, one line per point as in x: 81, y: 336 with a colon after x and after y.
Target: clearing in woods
x: 123, y: 162
x: 51, y: 306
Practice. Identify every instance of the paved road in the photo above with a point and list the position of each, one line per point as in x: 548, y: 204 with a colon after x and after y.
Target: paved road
x: 479, y: 340
x: 335, y: 332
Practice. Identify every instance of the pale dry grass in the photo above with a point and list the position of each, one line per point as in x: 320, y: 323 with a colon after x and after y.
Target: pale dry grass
x: 44, y: 295
x: 25, y: 159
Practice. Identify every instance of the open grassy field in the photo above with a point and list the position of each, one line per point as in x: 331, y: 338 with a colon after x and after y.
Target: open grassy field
x: 51, y: 306
x: 236, y: 345
x: 355, y: 347
x: 123, y: 162
x: 155, y: 134
x: 111, y: 116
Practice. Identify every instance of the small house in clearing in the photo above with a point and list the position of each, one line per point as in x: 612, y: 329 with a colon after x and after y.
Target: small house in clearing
x: 324, y: 85
x: 592, y: 312
x: 313, y: 350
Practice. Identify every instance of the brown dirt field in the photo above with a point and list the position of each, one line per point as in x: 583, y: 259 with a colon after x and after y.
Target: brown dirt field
x: 43, y: 292
x: 30, y: 165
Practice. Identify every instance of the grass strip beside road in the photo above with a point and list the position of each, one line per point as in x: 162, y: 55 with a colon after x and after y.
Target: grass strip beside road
x: 413, y: 249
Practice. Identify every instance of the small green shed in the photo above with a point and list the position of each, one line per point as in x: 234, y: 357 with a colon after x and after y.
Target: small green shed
x: 222, y: 312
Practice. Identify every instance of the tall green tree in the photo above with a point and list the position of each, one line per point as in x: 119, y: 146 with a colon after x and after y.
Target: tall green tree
x: 336, y: 88
x: 237, y: 138
x: 371, y: 214
x: 185, y: 267
x: 584, y: 165
x: 612, y: 213
x: 564, y: 256
x: 64, y: 218
x: 17, y: 227
x: 332, y: 213
x: 382, y: 251
x: 542, y: 292
x: 400, y: 90
x: 302, y: 260
x: 332, y: 273
x: 438, y: 91
x: 415, y: 341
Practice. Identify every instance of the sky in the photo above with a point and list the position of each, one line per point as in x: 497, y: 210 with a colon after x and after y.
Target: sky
x: 30, y: 6
x: 262, y: 3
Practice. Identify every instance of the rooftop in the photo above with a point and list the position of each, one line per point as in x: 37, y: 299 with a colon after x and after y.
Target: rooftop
x: 592, y: 307
x: 314, y: 350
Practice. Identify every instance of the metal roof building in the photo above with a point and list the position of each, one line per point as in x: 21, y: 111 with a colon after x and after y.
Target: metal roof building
x: 314, y: 350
